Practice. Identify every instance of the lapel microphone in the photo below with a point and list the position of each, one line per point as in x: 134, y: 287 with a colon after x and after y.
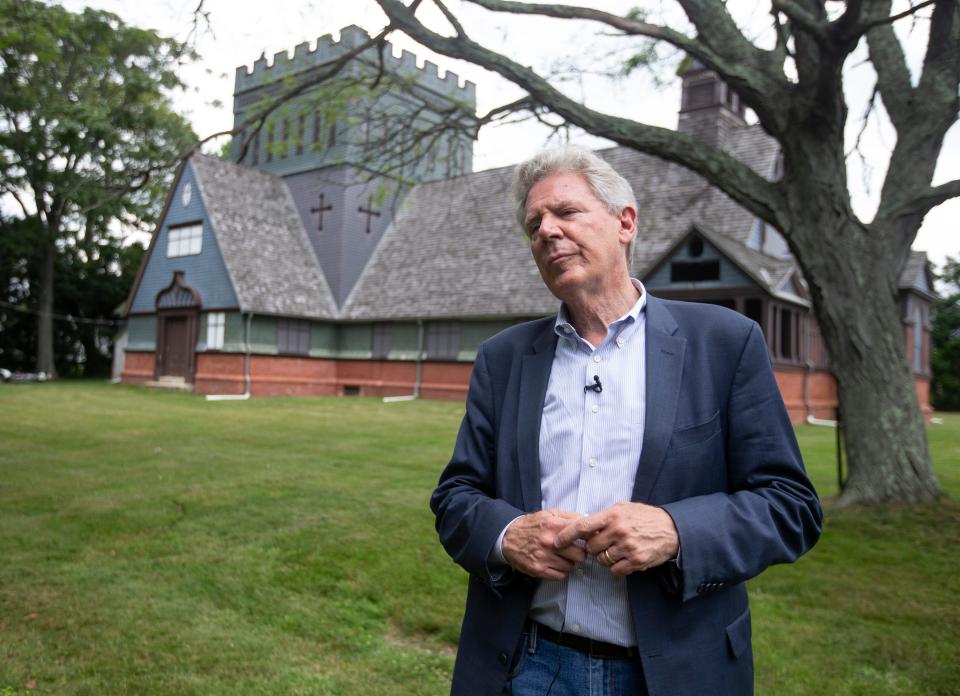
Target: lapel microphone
x: 596, y: 386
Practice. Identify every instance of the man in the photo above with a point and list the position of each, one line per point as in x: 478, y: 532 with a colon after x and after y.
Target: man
x: 621, y: 470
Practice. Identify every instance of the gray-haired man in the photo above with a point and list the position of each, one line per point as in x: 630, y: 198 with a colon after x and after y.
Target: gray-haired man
x: 622, y: 469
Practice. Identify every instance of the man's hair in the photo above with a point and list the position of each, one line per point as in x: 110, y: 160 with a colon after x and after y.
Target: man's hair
x: 607, y: 185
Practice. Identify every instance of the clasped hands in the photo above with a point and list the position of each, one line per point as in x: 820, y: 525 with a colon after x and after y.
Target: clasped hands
x: 627, y: 537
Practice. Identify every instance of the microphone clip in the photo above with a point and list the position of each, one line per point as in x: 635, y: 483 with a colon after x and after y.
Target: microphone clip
x: 596, y: 386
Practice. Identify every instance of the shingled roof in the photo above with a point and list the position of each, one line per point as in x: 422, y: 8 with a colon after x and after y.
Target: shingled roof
x: 916, y: 274
x: 262, y: 241
x: 455, y: 249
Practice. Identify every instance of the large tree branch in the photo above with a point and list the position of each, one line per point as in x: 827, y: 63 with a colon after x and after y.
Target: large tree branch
x: 872, y: 22
x: 941, y: 65
x: 781, y: 51
x: 755, y: 74
x: 719, y: 168
x: 893, y: 76
x: 803, y: 20
x: 844, y: 25
x: 627, y: 25
x: 933, y: 197
x: 922, y: 117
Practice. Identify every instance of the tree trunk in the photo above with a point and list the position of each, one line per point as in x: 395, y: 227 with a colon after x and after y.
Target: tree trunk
x: 855, y: 288
x: 886, y: 441
x: 47, y: 258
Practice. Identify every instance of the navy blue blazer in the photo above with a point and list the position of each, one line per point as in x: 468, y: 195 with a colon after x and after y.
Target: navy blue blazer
x: 719, y: 454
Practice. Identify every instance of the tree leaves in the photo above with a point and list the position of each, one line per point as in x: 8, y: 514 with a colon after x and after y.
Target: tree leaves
x: 88, y: 140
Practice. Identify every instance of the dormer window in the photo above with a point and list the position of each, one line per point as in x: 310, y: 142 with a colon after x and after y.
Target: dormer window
x: 186, y: 240
x: 694, y: 271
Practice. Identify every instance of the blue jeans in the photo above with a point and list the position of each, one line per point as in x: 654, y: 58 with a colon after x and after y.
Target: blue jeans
x: 543, y: 668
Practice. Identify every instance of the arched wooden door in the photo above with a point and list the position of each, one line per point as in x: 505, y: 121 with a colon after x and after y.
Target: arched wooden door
x: 178, y: 313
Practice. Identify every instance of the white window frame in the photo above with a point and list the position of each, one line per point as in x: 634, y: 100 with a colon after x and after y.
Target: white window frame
x: 216, y: 323
x: 185, y: 241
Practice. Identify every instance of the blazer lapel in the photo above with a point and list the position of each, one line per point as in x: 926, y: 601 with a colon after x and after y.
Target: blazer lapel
x: 664, y: 367
x: 534, y: 376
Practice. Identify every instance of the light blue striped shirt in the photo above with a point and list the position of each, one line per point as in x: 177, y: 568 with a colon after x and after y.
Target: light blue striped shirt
x: 589, y: 451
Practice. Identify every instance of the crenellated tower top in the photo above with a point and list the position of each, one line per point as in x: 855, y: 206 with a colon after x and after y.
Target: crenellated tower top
x: 314, y: 131
x: 326, y: 50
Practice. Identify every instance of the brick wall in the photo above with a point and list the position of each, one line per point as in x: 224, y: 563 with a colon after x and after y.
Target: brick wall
x: 222, y: 373
x: 138, y: 367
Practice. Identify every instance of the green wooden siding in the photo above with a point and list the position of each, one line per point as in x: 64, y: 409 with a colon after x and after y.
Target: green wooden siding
x: 263, y: 335
x: 142, y: 333
x: 327, y: 340
x: 473, y: 333
x: 354, y: 341
x: 323, y: 340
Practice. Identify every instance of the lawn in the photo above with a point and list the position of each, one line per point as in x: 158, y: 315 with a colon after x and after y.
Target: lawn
x: 156, y: 543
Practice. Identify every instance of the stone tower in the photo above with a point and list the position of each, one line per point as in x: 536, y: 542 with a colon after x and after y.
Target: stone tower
x: 347, y: 150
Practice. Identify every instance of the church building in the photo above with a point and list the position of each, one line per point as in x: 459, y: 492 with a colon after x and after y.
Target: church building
x: 299, y: 269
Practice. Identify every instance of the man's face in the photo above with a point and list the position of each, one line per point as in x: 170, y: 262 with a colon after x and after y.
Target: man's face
x: 577, y: 243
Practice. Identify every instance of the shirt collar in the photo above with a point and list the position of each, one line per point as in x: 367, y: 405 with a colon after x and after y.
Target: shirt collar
x: 563, y: 327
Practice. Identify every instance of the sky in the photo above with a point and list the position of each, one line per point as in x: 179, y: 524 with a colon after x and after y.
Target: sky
x: 239, y: 31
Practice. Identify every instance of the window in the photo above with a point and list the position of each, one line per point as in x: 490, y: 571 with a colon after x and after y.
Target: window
x: 185, y: 241
x: 443, y: 340
x: 293, y: 336
x: 270, y: 143
x: 753, y: 308
x: 703, y: 94
x: 381, y: 340
x: 786, y: 334
x: 216, y: 321
x: 284, y: 138
x: 917, y: 337
x: 694, y: 271
x: 301, y: 130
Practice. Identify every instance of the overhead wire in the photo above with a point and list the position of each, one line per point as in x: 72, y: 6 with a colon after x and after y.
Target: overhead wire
x: 61, y: 317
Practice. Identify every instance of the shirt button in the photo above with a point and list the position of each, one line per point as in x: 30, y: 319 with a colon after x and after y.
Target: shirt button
x: 579, y: 572
x: 567, y: 329
x: 592, y: 462
x: 594, y: 408
x: 620, y: 342
x: 575, y: 628
x: 596, y: 358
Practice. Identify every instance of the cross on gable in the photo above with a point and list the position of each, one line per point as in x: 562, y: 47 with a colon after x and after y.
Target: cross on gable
x: 319, y: 209
x: 369, y: 211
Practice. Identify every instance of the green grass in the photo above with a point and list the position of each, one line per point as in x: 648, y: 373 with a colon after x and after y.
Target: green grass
x: 155, y: 543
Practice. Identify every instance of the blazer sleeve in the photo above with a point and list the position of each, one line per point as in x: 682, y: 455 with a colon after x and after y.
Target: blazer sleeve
x: 469, y: 513
x: 770, y: 512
